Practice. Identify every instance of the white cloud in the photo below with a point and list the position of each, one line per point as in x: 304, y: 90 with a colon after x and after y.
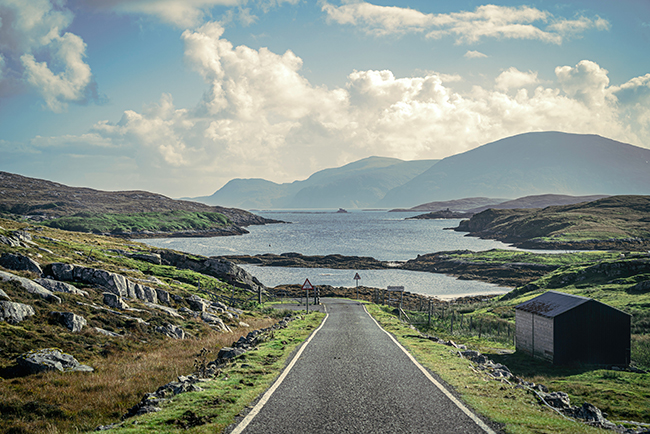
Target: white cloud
x: 52, y: 61
x: 488, y: 21
x: 513, y: 78
x: 474, y: 55
x: 260, y: 117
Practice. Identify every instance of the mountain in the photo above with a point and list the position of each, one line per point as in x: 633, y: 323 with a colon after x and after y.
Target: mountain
x: 356, y: 185
x: 541, y: 201
x: 456, y: 205
x: 42, y: 200
x: 531, y: 164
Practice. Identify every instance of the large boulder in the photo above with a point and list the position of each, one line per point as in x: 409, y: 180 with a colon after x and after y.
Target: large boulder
x: 14, y: 313
x: 57, y: 286
x: 50, y: 359
x: 30, y: 286
x: 75, y: 323
x: 12, y: 242
x: 197, y: 304
x: 215, y: 321
x: 19, y: 262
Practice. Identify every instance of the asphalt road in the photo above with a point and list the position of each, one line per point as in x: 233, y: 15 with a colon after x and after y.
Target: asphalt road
x: 352, y: 378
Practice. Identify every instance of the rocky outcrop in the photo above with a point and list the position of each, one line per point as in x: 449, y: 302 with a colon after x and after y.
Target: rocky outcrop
x: 50, y: 359
x: 215, y: 267
x: 172, y: 331
x: 56, y: 286
x: 30, y: 286
x: 215, y: 321
x: 14, y: 313
x: 112, y: 282
x: 20, y: 262
x: 4, y: 296
x: 73, y: 322
x: 196, y: 303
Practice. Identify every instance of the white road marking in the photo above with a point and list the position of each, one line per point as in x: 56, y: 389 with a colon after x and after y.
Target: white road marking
x: 453, y: 399
x: 258, y: 407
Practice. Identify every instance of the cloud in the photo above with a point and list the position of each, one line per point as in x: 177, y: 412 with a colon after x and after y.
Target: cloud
x: 488, y: 21
x: 186, y: 14
x: 474, y: 55
x: 260, y: 117
x: 513, y: 78
x: 52, y: 62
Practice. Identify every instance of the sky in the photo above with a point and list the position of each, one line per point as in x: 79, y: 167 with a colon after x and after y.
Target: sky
x: 180, y: 96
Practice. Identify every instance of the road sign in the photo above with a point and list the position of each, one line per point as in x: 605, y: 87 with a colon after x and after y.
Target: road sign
x: 307, y: 285
x: 357, y: 277
x: 396, y: 288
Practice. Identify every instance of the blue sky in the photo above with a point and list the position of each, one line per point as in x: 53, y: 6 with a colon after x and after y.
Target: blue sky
x: 180, y: 96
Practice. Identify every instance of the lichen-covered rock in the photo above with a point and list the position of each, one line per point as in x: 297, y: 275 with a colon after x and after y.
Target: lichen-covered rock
x: 30, y: 286
x: 50, y: 359
x: 9, y: 241
x: 4, y: 296
x: 197, y: 303
x: 215, y: 321
x: 75, y: 323
x: 14, y: 313
x: 13, y: 261
x: 57, y: 286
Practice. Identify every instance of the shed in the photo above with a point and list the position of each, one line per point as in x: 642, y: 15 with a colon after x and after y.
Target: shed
x: 563, y: 329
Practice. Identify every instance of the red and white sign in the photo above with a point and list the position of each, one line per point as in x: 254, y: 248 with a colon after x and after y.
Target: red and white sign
x: 307, y: 285
x: 357, y: 277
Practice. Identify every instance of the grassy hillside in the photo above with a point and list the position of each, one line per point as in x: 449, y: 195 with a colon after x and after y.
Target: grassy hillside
x: 604, y: 223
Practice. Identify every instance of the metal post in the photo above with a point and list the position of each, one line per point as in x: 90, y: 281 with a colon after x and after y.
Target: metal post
x: 452, y: 323
x: 307, y: 301
x: 259, y: 295
x: 429, y: 313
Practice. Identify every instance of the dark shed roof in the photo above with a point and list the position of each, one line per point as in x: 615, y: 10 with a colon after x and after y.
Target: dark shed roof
x: 552, y: 303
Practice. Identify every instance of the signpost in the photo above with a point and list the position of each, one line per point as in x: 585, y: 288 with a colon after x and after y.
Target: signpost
x: 399, y: 289
x: 357, y: 278
x: 307, y: 286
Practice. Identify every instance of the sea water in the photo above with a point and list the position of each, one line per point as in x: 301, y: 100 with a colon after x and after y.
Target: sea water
x: 386, y: 236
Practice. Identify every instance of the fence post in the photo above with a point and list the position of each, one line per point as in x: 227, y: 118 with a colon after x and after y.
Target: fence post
x: 429, y: 313
x: 452, y: 322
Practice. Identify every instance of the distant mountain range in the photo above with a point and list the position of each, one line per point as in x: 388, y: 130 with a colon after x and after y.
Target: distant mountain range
x: 356, y: 185
x: 531, y: 164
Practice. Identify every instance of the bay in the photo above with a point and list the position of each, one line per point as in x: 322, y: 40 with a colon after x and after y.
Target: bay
x: 379, y: 234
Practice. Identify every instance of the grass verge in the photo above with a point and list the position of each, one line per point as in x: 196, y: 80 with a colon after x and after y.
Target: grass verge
x: 515, y: 409
x: 226, y: 397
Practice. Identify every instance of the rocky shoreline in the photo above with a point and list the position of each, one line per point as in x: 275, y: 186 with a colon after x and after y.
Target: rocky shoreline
x: 297, y: 260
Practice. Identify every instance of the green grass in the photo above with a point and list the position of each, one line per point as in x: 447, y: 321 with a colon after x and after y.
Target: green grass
x: 500, y: 256
x: 170, y: 221
x: 235, y: 388
x: 516, y: 409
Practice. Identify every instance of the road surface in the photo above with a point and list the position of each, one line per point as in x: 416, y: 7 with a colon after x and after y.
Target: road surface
x: 351, y: 377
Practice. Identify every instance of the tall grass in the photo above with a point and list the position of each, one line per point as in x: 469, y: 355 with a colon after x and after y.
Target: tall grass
x: 70, y: 402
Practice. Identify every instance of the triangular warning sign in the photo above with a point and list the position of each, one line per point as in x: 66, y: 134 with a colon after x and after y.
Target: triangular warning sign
x: 357, y: 277
x: 307, y: 285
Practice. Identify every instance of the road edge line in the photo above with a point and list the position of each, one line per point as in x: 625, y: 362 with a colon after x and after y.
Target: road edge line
x: 267, y: 395
x: 442, y: 388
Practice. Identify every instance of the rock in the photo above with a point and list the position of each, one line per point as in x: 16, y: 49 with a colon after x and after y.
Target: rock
x: 227, y: 353
x: 642, y: 286
x: 4, y: 295
x: 30, y: 286
x: 14, y: 313
x: 50, y: 359
x: 214, y: 320
x: 114, y: 301
x: 56, y: 286
x: 168, y: 310
x: 243, y: 324
x: 20, y: 262
x: 163, y: 296
x: 9, y: 241
x: 590, y: 413
x: 197, y: 303
x: 107, y: 333
x: 189, y: 312
x: 75, y: 323
x: 153, y: 258
x: 22, y: 235
x: 171, y: 331
x: 558, y: 400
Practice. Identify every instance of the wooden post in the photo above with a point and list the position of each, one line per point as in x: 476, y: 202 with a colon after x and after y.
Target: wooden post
x: 259, y: 295
x: 452, y: 323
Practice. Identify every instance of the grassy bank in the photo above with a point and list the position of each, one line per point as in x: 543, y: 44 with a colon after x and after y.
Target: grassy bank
x: 169, y: 221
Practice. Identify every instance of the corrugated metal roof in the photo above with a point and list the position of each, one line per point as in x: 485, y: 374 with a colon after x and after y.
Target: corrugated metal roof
x: 552, y: 303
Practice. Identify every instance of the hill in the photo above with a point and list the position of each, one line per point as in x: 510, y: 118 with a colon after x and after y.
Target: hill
x: 137, y: 213
x: 359, y: 184
x: 617, y: 222
x: 531, y: 164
